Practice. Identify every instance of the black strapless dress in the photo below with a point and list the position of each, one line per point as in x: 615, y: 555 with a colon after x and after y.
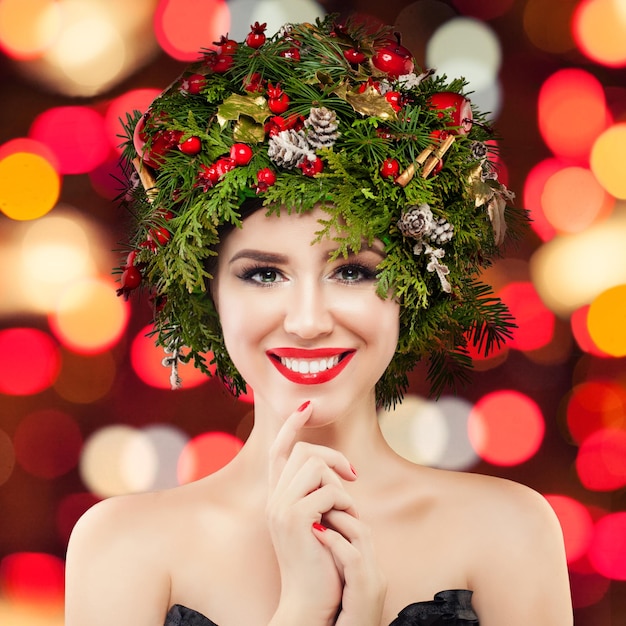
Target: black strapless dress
x: 449, y: 608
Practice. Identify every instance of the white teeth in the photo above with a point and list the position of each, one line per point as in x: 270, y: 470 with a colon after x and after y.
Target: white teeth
x: 309, y: 366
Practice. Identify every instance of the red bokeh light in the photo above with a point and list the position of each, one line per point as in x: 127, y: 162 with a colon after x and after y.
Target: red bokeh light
x: 206, y: 454
x: 120, y: 107
x: 535, y: 321
x: 184, y: 27
x: 75, y: 134
x: 576, y: 522
x: 146, y: 359
x: 580, y: 330
x: 572, y: 113
x: 533, y: 192
x: 47, y: 443
x: 607, y: 552
x: 70, y: 509
x: 34, y: 363
x: 506, y: 428
x: 24, y: 144
x: 595, y: 405
x: 32, y: 577
x: 601, y: 460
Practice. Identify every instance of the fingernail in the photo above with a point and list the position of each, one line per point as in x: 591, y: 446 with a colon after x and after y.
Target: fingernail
x: 353, y: 470
x: 319, y: 526
x: 303, y: 406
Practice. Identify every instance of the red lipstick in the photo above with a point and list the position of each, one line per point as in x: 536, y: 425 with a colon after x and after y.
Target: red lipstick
x: 323, y: 364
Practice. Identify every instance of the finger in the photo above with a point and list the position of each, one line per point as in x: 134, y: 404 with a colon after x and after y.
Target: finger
x: 328, y: 498
x: 281, y: 448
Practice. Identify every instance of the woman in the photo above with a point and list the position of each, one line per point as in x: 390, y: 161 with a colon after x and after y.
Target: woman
x: 362, y: 261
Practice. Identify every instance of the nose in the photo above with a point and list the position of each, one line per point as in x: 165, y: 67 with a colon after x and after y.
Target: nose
x: 308, y: 314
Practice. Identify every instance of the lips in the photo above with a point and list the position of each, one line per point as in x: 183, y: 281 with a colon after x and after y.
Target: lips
x: 310, y: 367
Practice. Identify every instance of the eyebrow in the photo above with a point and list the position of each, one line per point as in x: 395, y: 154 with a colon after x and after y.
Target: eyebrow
x: 260, y: 256
x: 279, y: 259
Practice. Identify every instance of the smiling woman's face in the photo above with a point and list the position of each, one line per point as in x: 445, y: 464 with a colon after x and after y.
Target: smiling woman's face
x: 297, y: 325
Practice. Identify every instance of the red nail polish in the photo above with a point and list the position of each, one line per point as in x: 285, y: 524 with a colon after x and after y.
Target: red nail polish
x: 353, y: 470
x: 303, y: 406
x: 319, y: 526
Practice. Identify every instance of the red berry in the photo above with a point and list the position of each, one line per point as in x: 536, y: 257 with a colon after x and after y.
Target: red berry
x: 221, y: 63
x: 390, y: 168
x: 291, y: 53
x: 162, y: 142
x: 354, y: 55
x: 455, y: 109
x: 266, y: 177
x: 227, y: 46
x: 241, y: 153
x: 369, y: 83
x: 253, y: 82
x: 310, y: 168
x: 131, y: 278
x: 256, y: 36
x: 278, y: 105
x: 130, y: 259
x: 438, y: 167
x: 193, y: 84
x: 393, y: 59
x: 224, y: 165
x: 395, y: 99
x: 190, y: 146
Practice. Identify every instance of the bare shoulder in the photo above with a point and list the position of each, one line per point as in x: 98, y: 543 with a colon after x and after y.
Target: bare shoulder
x: 117, y: 562
x: 516, y: 558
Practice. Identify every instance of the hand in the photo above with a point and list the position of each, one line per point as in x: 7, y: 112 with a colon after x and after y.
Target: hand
x: 305, y: 484
x: 364, y: 586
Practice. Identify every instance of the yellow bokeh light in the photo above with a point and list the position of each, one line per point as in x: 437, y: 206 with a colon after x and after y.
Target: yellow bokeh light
x: 89, y: 317
x: 29, y: 186
x: 607, y: 321
x: 117, y: 460
x: 28, y: 27
x: 599, y: 27
x: 608, y: 160
x: 571, y: 270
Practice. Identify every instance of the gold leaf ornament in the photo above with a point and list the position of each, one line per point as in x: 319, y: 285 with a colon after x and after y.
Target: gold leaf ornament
x: 249, y: 114
x: 369, y: 102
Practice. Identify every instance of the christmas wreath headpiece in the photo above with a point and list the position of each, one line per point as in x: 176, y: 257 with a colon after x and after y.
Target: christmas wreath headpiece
x: 329, y: 114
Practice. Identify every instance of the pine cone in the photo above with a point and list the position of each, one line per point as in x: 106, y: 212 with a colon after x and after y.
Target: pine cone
x: 442, y: 231
x: 289, y: 148
x: 416, y: 221
x: 321, y: 127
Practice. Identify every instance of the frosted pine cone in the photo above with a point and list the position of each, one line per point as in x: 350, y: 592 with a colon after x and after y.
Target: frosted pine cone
x: 442, y: 231
x: 478, y: 150
x: 289, y: 148
x: 321, y: 127
x: 416, y: 221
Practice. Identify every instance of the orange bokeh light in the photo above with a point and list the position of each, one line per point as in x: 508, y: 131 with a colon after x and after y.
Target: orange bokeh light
x: 599, y: 28
x: 594, y: 405
x: 580, y: 330
x: 572, y: 113
x: 573, y: 200
x: 506, y: 428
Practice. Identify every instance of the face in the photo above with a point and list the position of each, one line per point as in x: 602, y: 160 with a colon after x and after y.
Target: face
x: 297, y: 325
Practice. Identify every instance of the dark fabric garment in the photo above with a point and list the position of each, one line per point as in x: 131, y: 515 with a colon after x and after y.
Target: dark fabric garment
x: 449, y: 608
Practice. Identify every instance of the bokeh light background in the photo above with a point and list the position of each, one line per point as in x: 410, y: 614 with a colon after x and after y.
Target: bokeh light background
x: 85, y: 410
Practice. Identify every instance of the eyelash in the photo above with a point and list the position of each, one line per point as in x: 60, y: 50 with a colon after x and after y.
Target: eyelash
x: 248, y: 273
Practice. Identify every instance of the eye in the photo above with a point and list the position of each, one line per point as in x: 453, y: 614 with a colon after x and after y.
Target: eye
x: 262, y: 275
x: 354, y: 273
